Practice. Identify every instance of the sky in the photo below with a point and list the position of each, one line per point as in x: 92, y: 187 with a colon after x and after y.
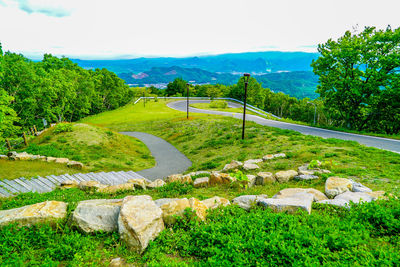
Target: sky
x: 99, y: 29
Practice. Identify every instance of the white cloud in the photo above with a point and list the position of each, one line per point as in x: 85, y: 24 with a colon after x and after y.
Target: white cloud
x: 183, y: 27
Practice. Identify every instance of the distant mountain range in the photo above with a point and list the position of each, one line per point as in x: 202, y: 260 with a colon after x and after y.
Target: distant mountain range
x: 288, y: 72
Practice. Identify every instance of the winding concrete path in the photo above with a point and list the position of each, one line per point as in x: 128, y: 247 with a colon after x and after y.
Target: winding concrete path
x: 169, y: 160
x: 372, y: 141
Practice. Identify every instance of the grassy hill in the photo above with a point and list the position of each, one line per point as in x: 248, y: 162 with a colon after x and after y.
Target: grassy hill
x: 97, y: 148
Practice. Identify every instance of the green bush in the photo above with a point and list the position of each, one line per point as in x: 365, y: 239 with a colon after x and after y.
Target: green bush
x: 175, y: 189
x: 218, y: 104
x: 63, y: 127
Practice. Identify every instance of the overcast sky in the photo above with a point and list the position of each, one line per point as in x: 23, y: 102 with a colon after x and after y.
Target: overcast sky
x: 131, y: 28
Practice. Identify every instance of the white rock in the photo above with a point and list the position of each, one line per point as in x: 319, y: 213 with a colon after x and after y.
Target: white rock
x: 201, y: 182
x: 97, y: 215
x: 290, y: 192
x: 280, y: 155
x: 157, y: 183
x: 233, y: 165
x: 215, y: 202
x: 161, y: 201
x: 250, y: 166
x: 252, y: 180
x: 247, y: 201
x: 306, y: 177
x: 139, y: 221
x: 268, y: 157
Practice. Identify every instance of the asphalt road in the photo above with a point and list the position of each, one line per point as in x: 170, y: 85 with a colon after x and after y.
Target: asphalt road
x: 169, y: 160
x: 372, y: 141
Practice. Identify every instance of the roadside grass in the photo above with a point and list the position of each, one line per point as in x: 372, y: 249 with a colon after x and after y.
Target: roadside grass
x: 228, y: 109
x: 367, y: 234
x: 28, y: 169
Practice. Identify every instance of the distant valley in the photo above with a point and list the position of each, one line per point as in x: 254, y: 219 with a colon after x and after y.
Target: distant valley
x: 287, y: 72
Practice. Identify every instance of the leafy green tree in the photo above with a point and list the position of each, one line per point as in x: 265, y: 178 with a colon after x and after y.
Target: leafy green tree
x: 255, y: 92
x: 177, y: 87
x: 356, y: 73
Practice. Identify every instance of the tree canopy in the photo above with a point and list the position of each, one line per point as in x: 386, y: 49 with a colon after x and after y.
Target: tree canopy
x: 359, y: 79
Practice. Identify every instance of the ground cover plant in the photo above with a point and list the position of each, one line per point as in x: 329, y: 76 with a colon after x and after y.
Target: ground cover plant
x: 211, y: 141
x: 366, y: 234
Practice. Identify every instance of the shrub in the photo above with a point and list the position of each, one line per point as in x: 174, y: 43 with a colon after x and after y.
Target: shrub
x: 63, y: 127
x: 175, y: 189
x: 218, y: 104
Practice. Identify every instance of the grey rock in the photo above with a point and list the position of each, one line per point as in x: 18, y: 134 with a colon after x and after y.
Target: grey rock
x: 252, y: 180
x: 356, y: 197
x: 299, y: 201
x: 97, y: 215
x: 285, y: 176
x: 253, y: 161
x: 247, y: 201
x: 306, y: 177
x: 250, y: 166
x: 280, y: 155
x: 201, y: 182
x: 233, y: 165
x: 358, y: 187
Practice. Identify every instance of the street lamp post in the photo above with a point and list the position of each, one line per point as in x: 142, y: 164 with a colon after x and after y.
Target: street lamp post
x: 246, y: 81
x: 187, y: 100
x: 315, y: 109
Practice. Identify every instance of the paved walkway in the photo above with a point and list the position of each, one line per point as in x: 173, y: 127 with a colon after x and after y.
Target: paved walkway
x: 169, y: 159
x: 372, y: 141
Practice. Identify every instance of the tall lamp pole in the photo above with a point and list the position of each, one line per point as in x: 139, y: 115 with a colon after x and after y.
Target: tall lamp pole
x: 187, y: 100
x: 315, y: 109
x: 246, y: 81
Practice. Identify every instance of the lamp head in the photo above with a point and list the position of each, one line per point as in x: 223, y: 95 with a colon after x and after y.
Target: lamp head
x: 246, y: 77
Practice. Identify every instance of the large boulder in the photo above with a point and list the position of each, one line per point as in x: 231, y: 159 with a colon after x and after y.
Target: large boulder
x: 179, y: 178
x: 48, y: 211
x: 265, y: 178
x: 97, y: 215
x: 358, y: 187
x: 232, y: 166
x: 111, y: 189
x: 220, y: 178
x: 247, y: 201
x: 335, y: 186
x: 156, y: 184
x: 285, y: 176
x: 299, y: 201
x: 201, y: 182
x: 215, y: 202
x: 174, y: 208
x: 139, y: 221
x: 290, y: 192
x: 355, y: 197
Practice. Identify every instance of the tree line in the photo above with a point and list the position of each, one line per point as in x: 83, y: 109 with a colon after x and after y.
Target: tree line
x: 54, y: 89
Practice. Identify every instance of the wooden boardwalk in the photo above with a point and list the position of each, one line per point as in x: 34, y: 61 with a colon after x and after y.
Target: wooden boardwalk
x: 46, y: 184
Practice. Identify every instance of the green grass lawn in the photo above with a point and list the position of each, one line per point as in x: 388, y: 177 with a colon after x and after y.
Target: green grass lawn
x: 211, y: 141
x: 207, y: 106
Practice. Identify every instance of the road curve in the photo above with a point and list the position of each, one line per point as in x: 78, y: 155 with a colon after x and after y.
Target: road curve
x: 169, y: 160
x: 372, y: 141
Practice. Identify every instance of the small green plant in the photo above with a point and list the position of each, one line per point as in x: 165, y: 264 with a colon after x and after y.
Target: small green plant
x: 175, y: 189
x: 63, y: 127
x: 218, y: 104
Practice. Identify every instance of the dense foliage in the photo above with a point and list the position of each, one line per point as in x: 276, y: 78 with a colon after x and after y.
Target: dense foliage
x: 55, y: 89
x: 359, y: 77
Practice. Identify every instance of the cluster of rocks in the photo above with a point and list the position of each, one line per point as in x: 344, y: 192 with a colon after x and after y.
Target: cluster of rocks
x: 110, y: 189
x: 138, y: 219
x: 12, y: 155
